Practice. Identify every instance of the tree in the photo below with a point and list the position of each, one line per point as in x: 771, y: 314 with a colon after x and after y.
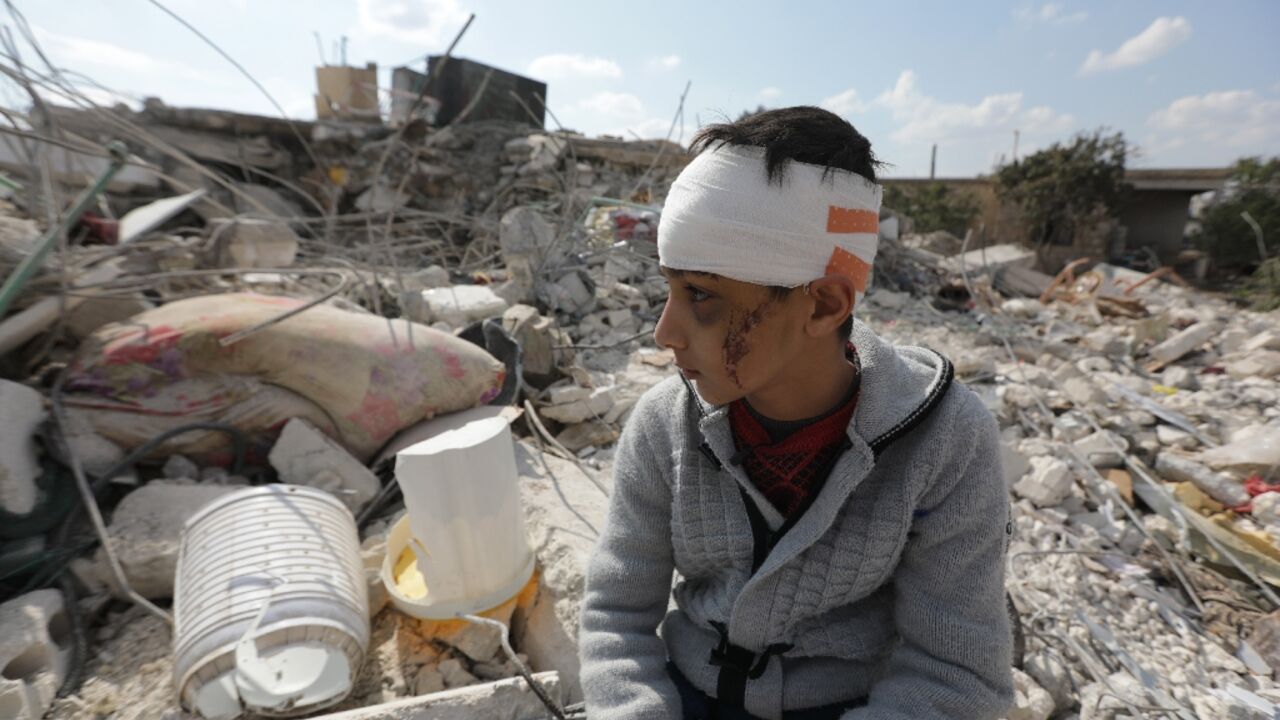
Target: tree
x: 1224, y: 233
x: 933, y: 207
x: 1064, y: 187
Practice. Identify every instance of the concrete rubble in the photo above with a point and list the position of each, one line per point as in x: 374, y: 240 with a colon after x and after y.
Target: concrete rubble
x: 1141, y: 430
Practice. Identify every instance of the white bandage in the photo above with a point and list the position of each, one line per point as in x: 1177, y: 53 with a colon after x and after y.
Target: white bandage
x: 723, y: 216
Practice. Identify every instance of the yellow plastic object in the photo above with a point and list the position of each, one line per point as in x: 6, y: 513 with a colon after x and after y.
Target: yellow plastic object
x: 1164, y: 389
x: 408, y: 577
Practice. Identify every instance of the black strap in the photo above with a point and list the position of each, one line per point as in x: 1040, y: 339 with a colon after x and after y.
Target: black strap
x: 737, y: 665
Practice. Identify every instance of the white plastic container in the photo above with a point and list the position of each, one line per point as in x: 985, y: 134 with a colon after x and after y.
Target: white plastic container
x: 270, y: 604
x: 464, y: 521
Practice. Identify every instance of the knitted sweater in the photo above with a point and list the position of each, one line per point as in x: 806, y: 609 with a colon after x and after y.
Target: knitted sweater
x: 891, y: 585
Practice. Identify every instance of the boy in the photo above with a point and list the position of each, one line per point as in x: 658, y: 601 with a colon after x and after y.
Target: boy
x: 835, y: 507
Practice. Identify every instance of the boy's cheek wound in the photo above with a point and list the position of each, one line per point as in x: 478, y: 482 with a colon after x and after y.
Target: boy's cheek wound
x: 736, y: 342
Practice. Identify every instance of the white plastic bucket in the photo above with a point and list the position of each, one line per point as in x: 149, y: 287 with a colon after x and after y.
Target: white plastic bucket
x: 465, y: 523
x: 271, y: 607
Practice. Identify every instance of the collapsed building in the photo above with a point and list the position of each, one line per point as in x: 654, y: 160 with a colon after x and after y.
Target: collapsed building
x: 250, y: 303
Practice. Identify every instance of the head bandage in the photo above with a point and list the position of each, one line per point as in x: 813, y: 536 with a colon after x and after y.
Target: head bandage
x: 722, y: 216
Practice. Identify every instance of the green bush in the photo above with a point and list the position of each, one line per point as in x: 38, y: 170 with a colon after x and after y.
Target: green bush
x: 1062, y: 186
x: 1262, y: 289
x: 1224, y: 234
x: 933, y: 207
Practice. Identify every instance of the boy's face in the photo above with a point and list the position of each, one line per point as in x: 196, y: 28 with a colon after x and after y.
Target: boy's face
x: 731, y: 339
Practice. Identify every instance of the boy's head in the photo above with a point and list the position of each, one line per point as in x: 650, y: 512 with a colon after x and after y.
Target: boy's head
x: 767, y: 240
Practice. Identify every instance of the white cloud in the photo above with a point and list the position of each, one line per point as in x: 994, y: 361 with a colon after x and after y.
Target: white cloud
x: 648, y: 129
x: 1164, y: 34
x: 926, y: 119
x: 666, y: 62
x: 1050, y: 12
x: 429, y: 23
x: 768, y: 94
x: 612, y: 104
x: 562, y: 66
x: 845, y: 103
x: 87, y: 56
x: 1233, y: 118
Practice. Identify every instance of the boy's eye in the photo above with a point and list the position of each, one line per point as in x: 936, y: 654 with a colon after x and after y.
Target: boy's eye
x: 696, y: 294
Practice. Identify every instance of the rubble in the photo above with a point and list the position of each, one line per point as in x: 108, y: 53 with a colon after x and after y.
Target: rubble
x: 21, y: 412
x: 305, y: 456
x: 1139, y: 418
x: 35, y: 652
x: 146, y: 532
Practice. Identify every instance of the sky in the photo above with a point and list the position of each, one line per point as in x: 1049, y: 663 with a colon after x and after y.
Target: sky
x: 1190, y: 84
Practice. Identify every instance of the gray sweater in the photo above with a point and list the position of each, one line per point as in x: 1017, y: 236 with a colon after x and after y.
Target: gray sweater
x: 890, y: 586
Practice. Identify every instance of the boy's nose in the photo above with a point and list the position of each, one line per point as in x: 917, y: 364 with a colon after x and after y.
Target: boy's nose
x: 666, y: 333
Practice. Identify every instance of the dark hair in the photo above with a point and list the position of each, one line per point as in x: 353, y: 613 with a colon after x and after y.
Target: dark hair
x: 804, y: 134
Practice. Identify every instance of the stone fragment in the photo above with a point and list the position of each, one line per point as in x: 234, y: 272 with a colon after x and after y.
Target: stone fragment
x: 1048, y: 483
x: 543, y: 344
x: 1083, y: 393
x: 1014, y: 462
x: 1232, y: 339
x: 253, y: 243
x: 381, y: 198
x: 458, y: 305
x: 454, y: 675
x: 1220, y: 487
x: 21, y: 412
x: 35, y: 653
x: 525, y: 238
x: 573, y: 293
x: 1260, y: 363
x: 1108, y: 342
x: 146, y: 533
x: 1183, y: 342
x: 1103, y: 449
x: 580, y: 409
x: 1050, y: 672
x: 178, y: 467
x: 1253, y: 449
x: 305, y: 456
x: 1171, y: 436
x: 1179, y: 377
x: 432, y: 276
x: 95, y: 312
x: 975, y: 363
x: 1026, y: 308
x: 1267, y: 340
x: 888, y: 299
x: 1031, y: 702
x: 1265, y: 639
x: 1266, y: 508
x: 593, y: 433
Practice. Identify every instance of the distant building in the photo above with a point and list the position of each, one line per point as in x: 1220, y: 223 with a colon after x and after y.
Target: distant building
x: 1155, y: 214
x: 465, y: 86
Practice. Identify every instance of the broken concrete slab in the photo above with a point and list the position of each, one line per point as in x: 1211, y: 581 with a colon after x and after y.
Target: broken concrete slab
x: 457, y: 305
x: 35, y: 653
x: 21, y: 413
x: 572, y: 405
x: 1220, y: 487
x: 305, y: 456
x: 593, y: 433
x: 1259, y: 363
x: 501, y: 700
x: 1183, y: 342
x: 992, y: 259
x: 1031, y: 702
x: 146, y: 533
x: 142, y: 220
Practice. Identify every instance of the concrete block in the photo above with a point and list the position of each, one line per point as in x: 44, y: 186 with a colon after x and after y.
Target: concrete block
x: 1031, y: 702
x: 305, y: 456
x: 1184, y: 342
x: 1048, y: 483
x: 146, y: 533
x: 1220, y: 487
x: 564, y: 514
x: 597, y: 402
x: 253, y: 243
x: 502, y: 700
x: 542, y: 342
x: 1099, y: 449
x: 35, y: 650
x: 458, y: 305
x: 1259, y: 363
x: 21, y: 412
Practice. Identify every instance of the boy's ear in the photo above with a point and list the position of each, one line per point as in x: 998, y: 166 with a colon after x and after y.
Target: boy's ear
x: 833, y: 298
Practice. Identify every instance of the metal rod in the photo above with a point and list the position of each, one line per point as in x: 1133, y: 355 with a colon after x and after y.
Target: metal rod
x: 19, y: 277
